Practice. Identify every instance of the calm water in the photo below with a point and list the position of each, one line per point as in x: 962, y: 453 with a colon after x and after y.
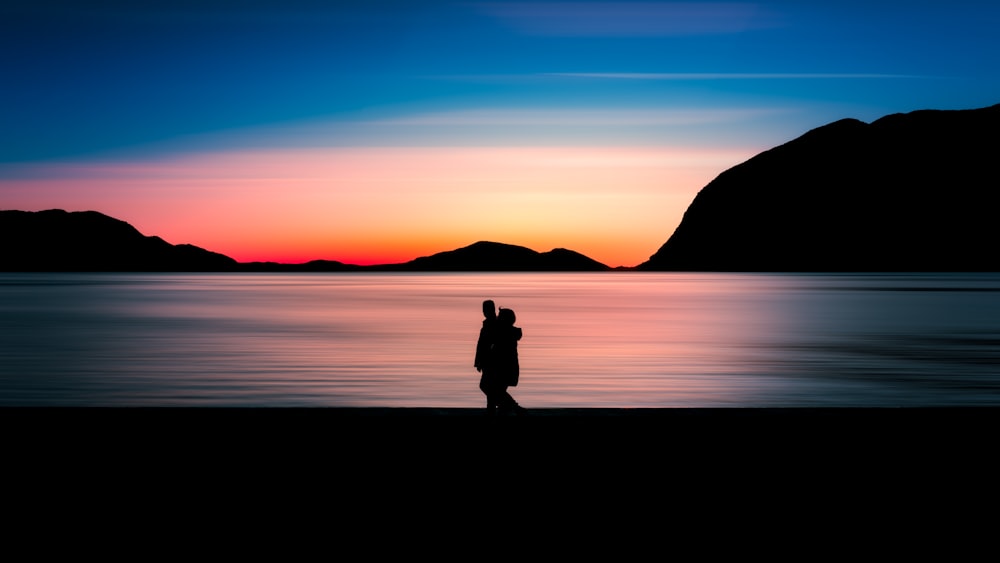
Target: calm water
x: 619, y: 339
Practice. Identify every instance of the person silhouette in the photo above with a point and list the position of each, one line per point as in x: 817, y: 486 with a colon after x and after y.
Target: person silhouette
x: 497, y: 359
x: 485, y: 343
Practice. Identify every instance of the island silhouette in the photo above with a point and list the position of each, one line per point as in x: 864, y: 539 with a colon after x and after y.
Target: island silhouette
x: 907, y: 192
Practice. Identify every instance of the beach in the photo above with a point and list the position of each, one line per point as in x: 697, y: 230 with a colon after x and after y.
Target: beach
x: 547, y: 434
x: 615, y: 478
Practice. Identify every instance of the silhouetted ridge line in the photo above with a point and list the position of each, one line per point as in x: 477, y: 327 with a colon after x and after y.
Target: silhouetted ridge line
x: 56, y: 240
x: 907, y: 192
x: 485, y: 256
x: 311, y: 266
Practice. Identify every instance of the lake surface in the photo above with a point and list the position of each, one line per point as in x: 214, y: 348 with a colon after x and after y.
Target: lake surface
x: 617, y: 339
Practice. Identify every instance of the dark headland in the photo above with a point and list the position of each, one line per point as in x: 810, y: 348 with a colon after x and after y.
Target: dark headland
x: 906, y: 193
x: 88, y: 241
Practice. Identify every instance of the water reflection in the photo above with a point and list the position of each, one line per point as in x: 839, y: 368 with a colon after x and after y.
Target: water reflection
x: 620, y: 339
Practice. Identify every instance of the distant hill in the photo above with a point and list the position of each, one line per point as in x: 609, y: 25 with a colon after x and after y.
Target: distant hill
x: 312, y: 266
x: 907, y: 192
x: 482, y: 256
x: 487, y: 256
x: 56, y: 240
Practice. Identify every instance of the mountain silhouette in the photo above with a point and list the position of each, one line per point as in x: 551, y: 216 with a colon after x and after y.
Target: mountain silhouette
x: 485, y: 256
x: 57, y: 240
x: 907, y: 192
x: 311, y: 266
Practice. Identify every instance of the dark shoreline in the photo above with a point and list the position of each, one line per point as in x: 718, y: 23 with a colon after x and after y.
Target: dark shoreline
x: 572, y: 462
x: 262, y: 427
x: 714, y: 415
x: 952, y: 412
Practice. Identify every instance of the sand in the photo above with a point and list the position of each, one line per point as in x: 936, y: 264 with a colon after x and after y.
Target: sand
x: 568, y: 478
x: 781, y: 432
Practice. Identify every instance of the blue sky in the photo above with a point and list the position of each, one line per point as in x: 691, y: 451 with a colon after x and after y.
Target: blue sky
x: 89, y: 81
x: 89, y: 76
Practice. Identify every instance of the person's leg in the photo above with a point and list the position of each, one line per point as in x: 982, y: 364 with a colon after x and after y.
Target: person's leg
x: 508, y: 404
x: 484, y: 386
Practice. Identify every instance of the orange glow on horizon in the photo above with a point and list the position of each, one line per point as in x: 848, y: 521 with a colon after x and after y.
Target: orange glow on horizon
x: 380, y: 205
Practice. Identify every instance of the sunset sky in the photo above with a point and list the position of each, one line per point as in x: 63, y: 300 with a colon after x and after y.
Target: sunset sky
x: 377, y: 132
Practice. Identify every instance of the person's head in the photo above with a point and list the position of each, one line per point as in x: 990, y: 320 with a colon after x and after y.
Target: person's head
x: 489, y: 309
x: 506, y: 316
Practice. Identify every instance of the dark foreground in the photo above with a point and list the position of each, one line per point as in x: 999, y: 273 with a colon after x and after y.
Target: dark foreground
x: 558, y: 480
x: 590, y: 447
x: 541, y: 435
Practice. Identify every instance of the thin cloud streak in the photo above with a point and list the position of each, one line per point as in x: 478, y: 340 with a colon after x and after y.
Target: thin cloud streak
x: 579, y: 117
x: 724, y: 75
